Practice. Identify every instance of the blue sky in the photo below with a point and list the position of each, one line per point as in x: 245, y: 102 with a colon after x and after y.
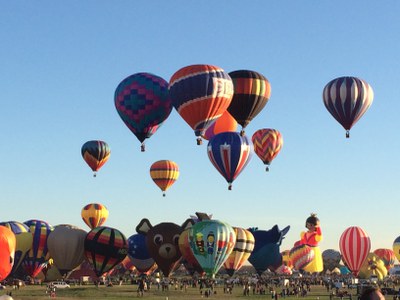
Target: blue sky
x: 60, y: 63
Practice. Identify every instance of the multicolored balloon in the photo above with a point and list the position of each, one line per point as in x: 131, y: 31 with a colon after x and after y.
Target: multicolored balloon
x: 164, y: 173
x: 38, y: 255
x: 212, y: 242
x: 143, y: 103
x: 387, y: 256
x: 286, y: 259
x: 7, y: 251
x: 23, y: 239
x: 138, y: 253
x: 251, y: 93
x: 347, y: 99
x: 66, y: 247
x: 105, y: 247
x: 301, y: 255
x: 267, y: 144
x: 225, y: 123
x: 189, y: 261
x: 331, y: 259
x: 94, y: 214
x: 95, y: 154
x: 200, y: 95
x: 355, y: 246
x: 230, y: 153
x: 244, y: 245
x: 396, y: 248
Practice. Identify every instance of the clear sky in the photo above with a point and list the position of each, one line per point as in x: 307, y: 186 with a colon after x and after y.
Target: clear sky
x: 60, y: 62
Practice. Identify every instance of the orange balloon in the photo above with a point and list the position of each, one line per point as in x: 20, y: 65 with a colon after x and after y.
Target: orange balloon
x: 224, y: 123
x: 7, y: 251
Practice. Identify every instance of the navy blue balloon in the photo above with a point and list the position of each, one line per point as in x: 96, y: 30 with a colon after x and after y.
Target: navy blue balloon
x: 138, y: 254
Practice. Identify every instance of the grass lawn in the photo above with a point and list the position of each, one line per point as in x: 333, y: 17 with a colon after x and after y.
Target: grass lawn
x: 129, y: 292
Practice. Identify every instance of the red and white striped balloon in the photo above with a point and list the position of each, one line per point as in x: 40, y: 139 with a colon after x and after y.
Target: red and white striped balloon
x: 355, y: 246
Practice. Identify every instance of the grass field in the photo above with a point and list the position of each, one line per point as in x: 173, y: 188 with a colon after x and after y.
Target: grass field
x: 129, y: 292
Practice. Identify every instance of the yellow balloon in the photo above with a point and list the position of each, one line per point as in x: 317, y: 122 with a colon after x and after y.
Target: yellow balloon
x: 373, y: 266
x: 94, y: 215
x: 396, y: 248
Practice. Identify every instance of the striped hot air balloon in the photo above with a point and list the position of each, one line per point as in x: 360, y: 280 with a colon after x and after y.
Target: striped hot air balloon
x: 347, y: 99
x: 387, y: 256
x: 164, y: 173
x: 267, y: 144
x: 301, y: 256
x: 230, y: 153
x: 95, y: 154
x: 94, y: 214
x: 244, y: 245
x: 355, y: 246
x: 143, y: 103
x: 251, y: 93
x: 200, y: 94
x: 105, y: 247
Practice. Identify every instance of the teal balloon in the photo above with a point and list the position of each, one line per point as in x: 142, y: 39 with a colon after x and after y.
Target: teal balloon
x: 211, y: 242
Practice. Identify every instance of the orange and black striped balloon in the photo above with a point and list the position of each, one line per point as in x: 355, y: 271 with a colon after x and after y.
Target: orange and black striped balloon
x: 95, y: 154
x: 164, y: 173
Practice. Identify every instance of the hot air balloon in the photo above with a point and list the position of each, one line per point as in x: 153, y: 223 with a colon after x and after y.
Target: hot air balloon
x: 105, y: 247
x: 212, y: 242
x: 396, y: 248
x: 38, y: 255
x: 301, y: 256
x: 387, y: 256
x: 331, y: 259
x: 138, y: 253
x: 225, y: 123
x: 230, y: 152
x: 164, y: 173
x: 162, y: 243
x: 189, y: 261
x: 143, y: 103
x: 347, y: 99
x: 373, y: 266
x: 200, y: 94
x: 23, y: 238
x: 267, y: 144
x: 95, y: 154
x: 251, y: 93
x: 354, y: 245
x: 284, y: 270
x: 7, y: 251
x: 244, y: 245
x: 94, y: 214
x: 66, y: 247
x: 266, y: 253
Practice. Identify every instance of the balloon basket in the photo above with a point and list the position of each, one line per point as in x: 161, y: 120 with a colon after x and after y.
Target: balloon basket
x: 142, y: 148
x: 230, y: 187
x: 199, y: 141
x: 94, y: 174
x: 347, y: 134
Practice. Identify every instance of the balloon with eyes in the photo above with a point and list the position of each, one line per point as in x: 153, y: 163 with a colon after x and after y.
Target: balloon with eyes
x: 162, y: 242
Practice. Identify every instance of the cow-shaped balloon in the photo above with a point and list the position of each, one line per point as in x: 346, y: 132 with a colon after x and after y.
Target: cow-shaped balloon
x: 266, y: 253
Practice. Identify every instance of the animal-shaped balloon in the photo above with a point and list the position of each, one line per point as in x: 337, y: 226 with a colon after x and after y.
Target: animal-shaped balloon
x: 355, y: 246
x: 94, y: 214
x: 251, y: 93
x: 230, y: 153
x: 212, y: 242
x: 162, y: 242
x: 143, y: 103
x: 267, y: 144
x: 7, y: 251
x: 266, y: 253
x: 95, y: 154
x: 347, y: 99
x: 164, y: 174
x: 200, y: 95
x: 105, y: 247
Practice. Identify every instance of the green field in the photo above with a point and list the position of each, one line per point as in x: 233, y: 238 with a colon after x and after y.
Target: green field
x: 129, y: 292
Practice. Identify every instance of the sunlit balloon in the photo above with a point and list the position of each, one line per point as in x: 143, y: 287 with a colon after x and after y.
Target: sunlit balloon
x: 387, y: 256
x: 244, y: 245
x: 7, y: 251
x: 138, y: 253
x: 230, y: 153
x: 38, y: 255
x: 251, y: 93
x: 94, y: 214
x: 200, y: 95
x: 105, y: 247
x: 373, y: 266
x: 286, y: 259
x: 225, y: 123
x: 95, y: 154
x: 331, y: 259
x: 267, y: 144
x: 355, y: 246
x: 189, y: 260
x: 23, y: 239
x: 143, y: 103
x: 66, y: 247
x: 396, y: 248
x: 164, y: 174
x: 301, y: 256
x: 347, y: 99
